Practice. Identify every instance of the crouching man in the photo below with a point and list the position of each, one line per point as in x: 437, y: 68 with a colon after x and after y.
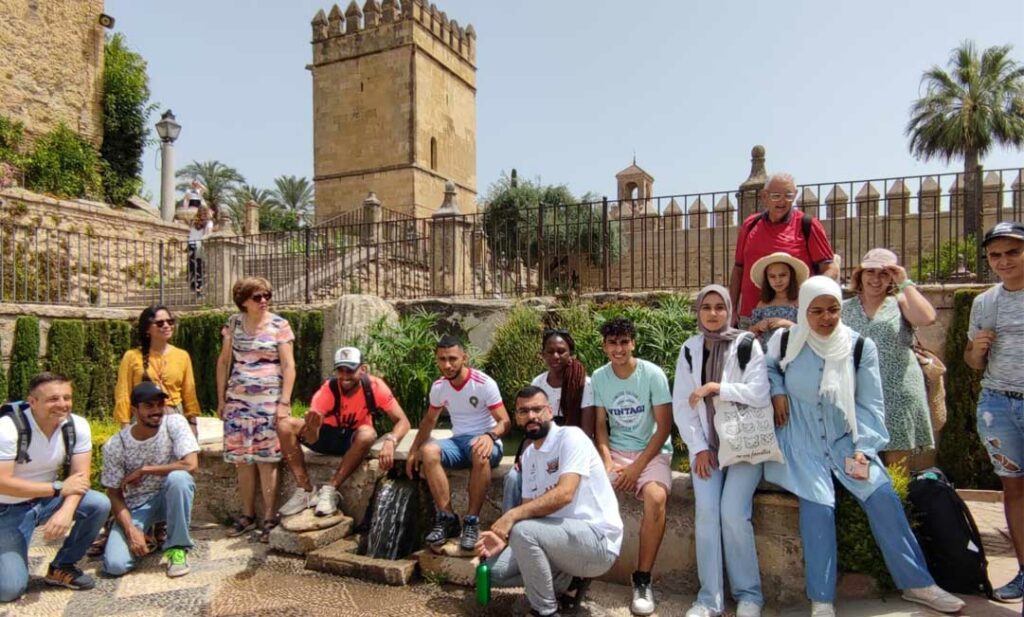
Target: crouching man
x: 567, y: 529
x: 37, y: 437
x: 147, y: 469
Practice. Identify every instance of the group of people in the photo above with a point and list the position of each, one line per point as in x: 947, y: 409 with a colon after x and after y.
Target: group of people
x: 840, y: 378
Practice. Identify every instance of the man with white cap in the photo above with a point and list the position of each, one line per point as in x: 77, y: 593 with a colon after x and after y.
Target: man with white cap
x: 340, y: 423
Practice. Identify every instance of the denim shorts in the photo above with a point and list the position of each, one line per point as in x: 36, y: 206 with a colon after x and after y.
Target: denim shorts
x: 1001, y: 429
x: 456, y: 453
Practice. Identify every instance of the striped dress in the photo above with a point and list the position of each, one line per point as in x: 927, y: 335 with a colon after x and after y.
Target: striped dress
x: 253, y: 390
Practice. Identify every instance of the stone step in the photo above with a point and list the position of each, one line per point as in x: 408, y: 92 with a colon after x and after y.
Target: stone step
x: 341, y: 558
x: 304, y: 542
x: 454, y: 567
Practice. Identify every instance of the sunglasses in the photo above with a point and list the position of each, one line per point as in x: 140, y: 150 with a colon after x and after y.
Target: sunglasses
x: 160, y: 323
x: 260, y: 297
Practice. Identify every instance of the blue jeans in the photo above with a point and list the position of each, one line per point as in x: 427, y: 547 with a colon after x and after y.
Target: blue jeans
x: 1001, y: 429
x: 512, y: 494
x: 889, y: 526
x: 456, y: 453
x: 172, y: 504
x: 724, y: 504
x: 17, y: 523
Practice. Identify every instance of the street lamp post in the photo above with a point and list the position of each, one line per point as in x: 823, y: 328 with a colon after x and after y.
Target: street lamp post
x: 168, y: 130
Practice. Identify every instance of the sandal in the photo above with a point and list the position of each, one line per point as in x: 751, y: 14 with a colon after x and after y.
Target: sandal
x: 268, y: 526
x: 243, y: 524
x: 568, y: 602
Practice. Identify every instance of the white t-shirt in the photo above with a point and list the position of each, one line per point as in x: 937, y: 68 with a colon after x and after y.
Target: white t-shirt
x: 196, y: 236
x: 469, y: 406
x: 47, y: 454
x: 567, y: 449
x: 555, y: 394
x: 123, y: 454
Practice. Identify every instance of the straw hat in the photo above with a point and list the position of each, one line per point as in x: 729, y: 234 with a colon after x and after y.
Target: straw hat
x: 799, y: 267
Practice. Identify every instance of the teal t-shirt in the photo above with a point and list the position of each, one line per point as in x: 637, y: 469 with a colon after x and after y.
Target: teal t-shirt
x: 629, y: 404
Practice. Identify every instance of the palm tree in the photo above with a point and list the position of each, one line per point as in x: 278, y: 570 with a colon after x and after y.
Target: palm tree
x: 242, y: 195
x: 219, y: 179
x: 296, y: 195
x: 979, y: 102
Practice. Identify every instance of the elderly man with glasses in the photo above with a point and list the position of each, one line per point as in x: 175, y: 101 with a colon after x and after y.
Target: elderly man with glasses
x: 779, y: 227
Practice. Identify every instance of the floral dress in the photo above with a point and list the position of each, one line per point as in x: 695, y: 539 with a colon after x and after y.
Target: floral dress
x: 766, y: 312
x: 254, y: 387
x: 906, y: 405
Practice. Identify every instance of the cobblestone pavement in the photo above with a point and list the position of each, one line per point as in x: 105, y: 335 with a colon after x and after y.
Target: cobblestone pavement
x: 239, y: 577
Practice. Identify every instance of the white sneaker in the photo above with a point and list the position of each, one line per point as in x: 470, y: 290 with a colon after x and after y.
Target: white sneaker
x: 643, y: 599
x: 299, y: 501
x: 934, y: 597
x: 746, y: 608
x: 823, y: 609
x: 327, y: 501
x: 699, y: 610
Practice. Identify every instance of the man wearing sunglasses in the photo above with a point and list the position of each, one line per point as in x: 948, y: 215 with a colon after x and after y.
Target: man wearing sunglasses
x: 340, y: 423
x: 778, y: 228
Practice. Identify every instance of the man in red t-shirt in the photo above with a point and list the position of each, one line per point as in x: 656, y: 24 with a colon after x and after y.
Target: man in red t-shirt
x: 339, y: 423
x: 779, y: 227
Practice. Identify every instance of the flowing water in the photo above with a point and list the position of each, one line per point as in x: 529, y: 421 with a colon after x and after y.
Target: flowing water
x: 394, y: 519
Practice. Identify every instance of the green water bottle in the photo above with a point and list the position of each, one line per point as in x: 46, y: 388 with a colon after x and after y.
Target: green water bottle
x: 483, y: 584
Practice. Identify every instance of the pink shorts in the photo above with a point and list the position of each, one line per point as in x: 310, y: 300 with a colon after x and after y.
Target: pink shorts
x: 658, y: 470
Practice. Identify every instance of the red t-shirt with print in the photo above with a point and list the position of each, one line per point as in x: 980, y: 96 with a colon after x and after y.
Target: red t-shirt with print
x: 354, y: 410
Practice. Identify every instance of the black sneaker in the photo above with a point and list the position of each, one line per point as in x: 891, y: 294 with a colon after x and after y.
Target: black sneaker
x: 470, y: 533
x: 446, y: 525
x: 68, y: 576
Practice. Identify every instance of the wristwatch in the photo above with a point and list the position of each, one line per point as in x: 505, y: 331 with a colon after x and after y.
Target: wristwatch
x: 58, y: 486
x: 391, y: 438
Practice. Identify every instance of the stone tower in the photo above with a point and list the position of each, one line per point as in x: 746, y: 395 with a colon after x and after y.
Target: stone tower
x: 635, y: 189
x: 394, y: 107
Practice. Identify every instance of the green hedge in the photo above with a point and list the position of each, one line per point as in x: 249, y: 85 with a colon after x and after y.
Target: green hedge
x: 102, y: 430
x: 24, y: 356
x: 3, y: 379
x: 858, y: 551
x: 65, y: 351
x: 961, y: 454
x: 89, y: 353
x: 514, y: 359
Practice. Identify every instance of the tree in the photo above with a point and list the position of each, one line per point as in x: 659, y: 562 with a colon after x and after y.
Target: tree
x: 295, y: 195
x: 979, y: 102
x: 273, y: 217
x: 126, y: 112
x: 219, y: 179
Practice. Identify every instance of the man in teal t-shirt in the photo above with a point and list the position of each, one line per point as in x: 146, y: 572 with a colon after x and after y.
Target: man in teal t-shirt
x: 634, y: 438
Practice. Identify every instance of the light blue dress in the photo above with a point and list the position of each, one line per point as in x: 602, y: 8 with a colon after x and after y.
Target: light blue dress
x: 816, y: 440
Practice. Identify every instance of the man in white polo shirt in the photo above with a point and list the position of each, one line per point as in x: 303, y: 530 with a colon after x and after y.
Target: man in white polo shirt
x: 479, y: 420
x: 31, y: 495
x: 567, y: 529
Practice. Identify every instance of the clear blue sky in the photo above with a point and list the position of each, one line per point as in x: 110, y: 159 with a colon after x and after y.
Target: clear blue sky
x: 567, y: 90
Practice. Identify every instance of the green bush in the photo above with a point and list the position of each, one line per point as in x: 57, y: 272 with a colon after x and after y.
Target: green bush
x: 858, y: 551
x: 308, y: 328
x: 63, y: 164
x: 940, y: 265
x: 65, y: 351
x: 584, y: 324
x: 126, y: 111
x: 199, y: 335
x: 514, y: 360
x: 24, y: 356
x: 3, y: 380
x: 100, y: 353
x: 661, y: 329
x: 961, y: 454
x: 12, y: 133
x: 102, y: 430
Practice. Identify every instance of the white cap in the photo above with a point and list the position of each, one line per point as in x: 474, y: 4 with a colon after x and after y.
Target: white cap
x: 348, y: 357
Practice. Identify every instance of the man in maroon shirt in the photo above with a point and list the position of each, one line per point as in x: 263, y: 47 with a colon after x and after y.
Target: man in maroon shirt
x: 779, y: 227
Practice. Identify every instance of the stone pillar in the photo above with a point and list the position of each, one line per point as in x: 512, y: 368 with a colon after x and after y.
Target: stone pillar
x: 223, y: 262
x: 167, y: 180
x: 449, y: 272
x: 747, y: 196
x: 928, y: 196
x: 837, y: 201
x: 867, y: 200
x: 808, y: 202
x: 370, y: 233
x: 251, y: 225
x: 898, y: 199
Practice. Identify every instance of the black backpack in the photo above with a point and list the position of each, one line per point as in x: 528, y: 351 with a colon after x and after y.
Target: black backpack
x: 948, y: 535
x: 805, y: 230
x: 17, y: 411
x: 742, y: 352
x: 371, y: 403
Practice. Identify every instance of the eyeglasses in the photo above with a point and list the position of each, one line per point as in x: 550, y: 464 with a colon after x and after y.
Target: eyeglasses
x: 160, y: 323
x: 261, y: 296
x: 818, y: 312
x: 535, y: 410
x: 778, y: 196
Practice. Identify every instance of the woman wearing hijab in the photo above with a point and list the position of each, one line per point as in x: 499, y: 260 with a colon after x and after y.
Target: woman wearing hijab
x: 830, y: 419
x: 708, y: 367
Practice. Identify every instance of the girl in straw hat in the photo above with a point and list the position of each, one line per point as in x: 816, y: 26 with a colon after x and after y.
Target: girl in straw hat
x: 779, y: 277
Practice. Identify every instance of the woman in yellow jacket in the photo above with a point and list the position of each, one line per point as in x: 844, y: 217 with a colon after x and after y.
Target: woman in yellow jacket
x: 156, y: 360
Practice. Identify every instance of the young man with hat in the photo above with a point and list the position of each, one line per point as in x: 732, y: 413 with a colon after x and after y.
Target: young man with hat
x: 34, y: 444
x: 147, y: 469
x: 340, y: 423
x: 996, y: 345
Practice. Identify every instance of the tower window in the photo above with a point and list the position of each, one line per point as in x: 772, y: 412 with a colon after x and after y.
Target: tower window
x: 433, y: 153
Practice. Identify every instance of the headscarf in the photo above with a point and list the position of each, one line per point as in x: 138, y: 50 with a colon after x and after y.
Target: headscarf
x: 838, y: 380
x: 720, y: 340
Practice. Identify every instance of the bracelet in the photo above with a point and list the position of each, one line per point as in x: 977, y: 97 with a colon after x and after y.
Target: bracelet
x: 389, y: 437
x: 492, y: 435
x: 905, y: 284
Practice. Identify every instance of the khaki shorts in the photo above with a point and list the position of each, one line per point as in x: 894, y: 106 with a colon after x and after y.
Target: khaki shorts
x: 658, y: 470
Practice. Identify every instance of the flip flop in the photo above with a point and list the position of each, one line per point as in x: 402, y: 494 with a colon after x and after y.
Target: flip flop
x: 242, y: 525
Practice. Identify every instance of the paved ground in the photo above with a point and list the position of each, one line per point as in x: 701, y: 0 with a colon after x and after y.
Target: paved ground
x: 236, y: 577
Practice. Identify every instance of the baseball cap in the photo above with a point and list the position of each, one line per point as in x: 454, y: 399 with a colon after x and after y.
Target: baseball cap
x: 1006, y: 229
x: 348, y: 357
x: 147, y: 392
x: 879, y: 258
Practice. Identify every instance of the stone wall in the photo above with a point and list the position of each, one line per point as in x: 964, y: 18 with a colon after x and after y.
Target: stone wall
x: 51, y: 68
x: 9, y: 314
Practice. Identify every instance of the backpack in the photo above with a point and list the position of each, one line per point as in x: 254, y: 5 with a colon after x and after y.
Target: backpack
x: 858, y: 348
x: 805, y: 230
x: 948, y: 535
x: 371, y: 403
x: 742, y: 352
x: 17, y: 411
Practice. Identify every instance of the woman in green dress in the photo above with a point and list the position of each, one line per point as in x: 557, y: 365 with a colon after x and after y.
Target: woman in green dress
x: 887, y: 309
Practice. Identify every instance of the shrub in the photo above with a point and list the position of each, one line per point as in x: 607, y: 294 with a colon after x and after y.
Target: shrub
x: 63, y: 164
x: 513, y: 360
x: 24, y: 356
x: 940, y: 265
x: 584, y: 324
x: 199, y: 335
x: 858, y: 551
x: 308, y: 328
x: 102, y: 431
x: 126, y: 112
x: 3, y: 379
x: 661, y: 329
x: 12, y: 133
x: 961, y: 453
x: 65, y: 350
x: 100, y: 353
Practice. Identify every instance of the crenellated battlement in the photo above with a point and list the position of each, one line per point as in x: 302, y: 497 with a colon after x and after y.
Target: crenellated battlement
x: 375, y: 16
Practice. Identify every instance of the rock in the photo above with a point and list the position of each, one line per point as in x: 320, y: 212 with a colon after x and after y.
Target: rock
x: 341, y: 558
x: 442, y: 568
x: 451, y: 548
x: 308, y: 521
x: 303, y: 542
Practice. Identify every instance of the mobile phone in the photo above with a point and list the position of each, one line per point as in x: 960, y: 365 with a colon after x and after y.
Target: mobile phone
x: 855, y: 469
